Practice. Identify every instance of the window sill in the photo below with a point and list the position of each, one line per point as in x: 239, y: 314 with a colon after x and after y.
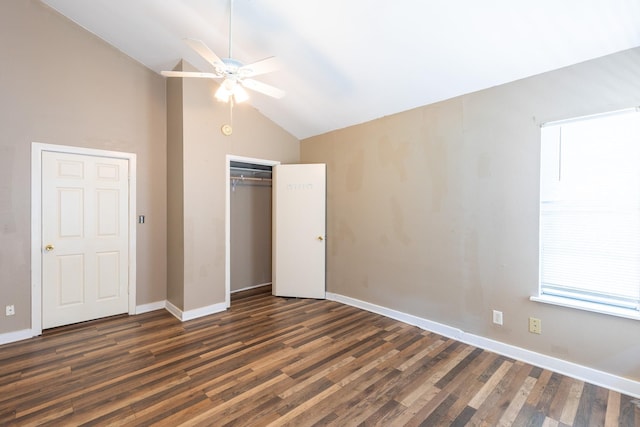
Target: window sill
x: 588, y: 306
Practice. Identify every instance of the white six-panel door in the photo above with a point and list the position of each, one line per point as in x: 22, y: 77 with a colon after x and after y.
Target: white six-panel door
x: 85, y: 231
x: 299, y: 200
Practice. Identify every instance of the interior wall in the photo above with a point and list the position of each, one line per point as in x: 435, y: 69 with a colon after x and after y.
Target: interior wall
x: 62, y: 85
x: 204, y: 151
x: 434, y: 211
x: 250, y: 235
x: 175, y: 192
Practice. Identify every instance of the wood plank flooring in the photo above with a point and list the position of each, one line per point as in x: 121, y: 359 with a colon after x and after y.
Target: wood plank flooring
x: 277, y: 361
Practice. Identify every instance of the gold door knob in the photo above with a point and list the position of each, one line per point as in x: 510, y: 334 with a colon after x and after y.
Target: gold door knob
x: 48, y: 248
x: 320, y: 238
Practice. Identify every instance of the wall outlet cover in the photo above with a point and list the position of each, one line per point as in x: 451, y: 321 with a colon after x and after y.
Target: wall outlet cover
x: 497, y: 317
x: 535, y: 325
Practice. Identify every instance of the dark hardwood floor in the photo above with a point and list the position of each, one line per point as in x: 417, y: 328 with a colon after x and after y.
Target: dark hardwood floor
x: 277, y: 361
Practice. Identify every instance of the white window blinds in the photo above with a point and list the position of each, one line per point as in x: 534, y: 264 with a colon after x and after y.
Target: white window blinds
x: 590, y: 210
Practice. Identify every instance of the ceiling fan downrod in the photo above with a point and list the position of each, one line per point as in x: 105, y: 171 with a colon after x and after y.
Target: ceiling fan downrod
x: 230, y: 27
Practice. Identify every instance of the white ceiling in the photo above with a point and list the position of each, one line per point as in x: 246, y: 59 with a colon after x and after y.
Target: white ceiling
x: 350, y: 61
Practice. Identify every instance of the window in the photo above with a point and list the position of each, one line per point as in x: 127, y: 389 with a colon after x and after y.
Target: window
x: 590, y: 213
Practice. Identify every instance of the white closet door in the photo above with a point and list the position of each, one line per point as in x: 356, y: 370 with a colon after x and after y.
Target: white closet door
x: 299, y: 221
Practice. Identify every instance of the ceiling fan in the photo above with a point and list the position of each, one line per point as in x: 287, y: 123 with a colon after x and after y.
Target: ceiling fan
x: 236, y: 75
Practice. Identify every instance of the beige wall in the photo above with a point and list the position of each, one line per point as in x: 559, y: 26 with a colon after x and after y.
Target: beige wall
x: 250, y: 235
x: 175, y: 193
x: 205, y: 150
x: 61, y: 85
x: 434, y: 211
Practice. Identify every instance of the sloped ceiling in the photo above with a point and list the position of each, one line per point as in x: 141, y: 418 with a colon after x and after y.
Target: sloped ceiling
x: 349, y: 61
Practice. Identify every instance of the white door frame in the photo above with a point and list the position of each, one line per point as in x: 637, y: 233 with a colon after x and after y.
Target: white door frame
x: 36, y: 222
x: 227, y: 217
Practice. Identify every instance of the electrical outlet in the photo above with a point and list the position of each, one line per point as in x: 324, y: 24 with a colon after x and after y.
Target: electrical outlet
x: 535, y: 325
x: 10, y: 310
x: 497, y: 317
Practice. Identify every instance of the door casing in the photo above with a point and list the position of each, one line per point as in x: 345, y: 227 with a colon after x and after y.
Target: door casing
x: 36, y: 222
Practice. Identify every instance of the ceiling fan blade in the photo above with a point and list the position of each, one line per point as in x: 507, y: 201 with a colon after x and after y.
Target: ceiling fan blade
x: 263, y: 66
x: 263, y: 88
x: 205, y: 52
x: 190, y: 74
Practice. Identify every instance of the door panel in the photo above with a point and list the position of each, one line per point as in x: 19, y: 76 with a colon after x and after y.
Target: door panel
x: 108, y: 275
x: 108, y: 224
x: 70, y: 279
x: 71, y: 202
x: 85, y: 237
x: 299, y: 220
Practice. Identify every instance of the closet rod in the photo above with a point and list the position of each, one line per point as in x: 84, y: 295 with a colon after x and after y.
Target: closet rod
x: 248, y: 178
x: 238, y: 168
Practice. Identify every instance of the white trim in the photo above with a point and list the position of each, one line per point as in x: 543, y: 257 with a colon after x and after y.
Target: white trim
x: 425, y: 324
x: 227, y: 217
x: 252, y: 287
x: 14, y: 336
x: 36, y: 239
x: 152, y: 306
x: 591, y: 116
x: 173, y: 310
x: 587, y: 306
x: 580, y: 372
x: 36, y: 222
x: 196, y: 313
x: 9, y: 337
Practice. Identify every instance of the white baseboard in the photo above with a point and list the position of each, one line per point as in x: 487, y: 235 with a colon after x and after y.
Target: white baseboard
x: 173, y: 310
x: 196, y: 313
x: 152, y: 306
x: 251, y: 287
x: 9, y: 337
x: 583, y: 373
x: 24, y: 334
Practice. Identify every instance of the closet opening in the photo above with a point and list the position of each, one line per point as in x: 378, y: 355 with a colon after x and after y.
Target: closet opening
x: 249, y: 225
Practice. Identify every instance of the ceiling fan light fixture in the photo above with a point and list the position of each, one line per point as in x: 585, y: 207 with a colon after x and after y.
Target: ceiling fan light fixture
x: 223, y: 94
x: 239, y: 94
x: 236, y: 76
x: 230, y: 88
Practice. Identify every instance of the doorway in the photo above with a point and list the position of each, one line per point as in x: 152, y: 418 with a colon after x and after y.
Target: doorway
x: 298, y: 227
x: 248, y: 223
x: 83, y: 234
x: 250, y: 226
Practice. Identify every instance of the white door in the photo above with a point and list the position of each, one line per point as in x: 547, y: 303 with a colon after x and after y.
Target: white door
x: 299, y: 210
x: 85, y: 231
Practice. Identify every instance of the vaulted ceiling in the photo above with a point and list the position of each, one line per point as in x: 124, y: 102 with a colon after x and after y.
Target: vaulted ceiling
x: 345, y: 62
